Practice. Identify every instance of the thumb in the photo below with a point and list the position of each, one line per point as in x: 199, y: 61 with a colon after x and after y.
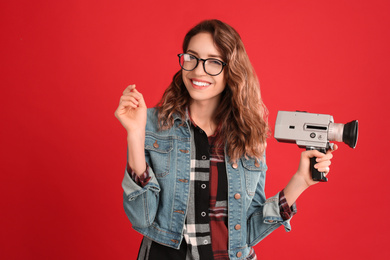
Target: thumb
x: 141, y: 99
x: 314, y: 153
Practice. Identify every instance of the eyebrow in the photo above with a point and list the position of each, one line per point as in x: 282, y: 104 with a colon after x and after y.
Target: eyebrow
x: 209, y: 55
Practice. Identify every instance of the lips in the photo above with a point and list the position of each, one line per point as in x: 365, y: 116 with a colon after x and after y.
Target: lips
x: 200, y: 84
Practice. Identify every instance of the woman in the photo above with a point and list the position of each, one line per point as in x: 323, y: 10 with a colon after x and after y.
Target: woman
x: 194, y: 183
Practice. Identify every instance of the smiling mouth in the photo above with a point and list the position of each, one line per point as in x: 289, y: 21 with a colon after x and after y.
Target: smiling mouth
x: 200, y: 84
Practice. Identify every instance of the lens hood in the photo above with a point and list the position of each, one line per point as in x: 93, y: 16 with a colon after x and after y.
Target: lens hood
x: 350, y: 133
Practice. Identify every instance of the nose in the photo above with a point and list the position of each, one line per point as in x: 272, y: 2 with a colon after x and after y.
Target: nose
x: 199, y: 70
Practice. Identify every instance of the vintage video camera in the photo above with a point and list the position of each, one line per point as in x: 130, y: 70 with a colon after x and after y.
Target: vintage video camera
x: 314, y: 131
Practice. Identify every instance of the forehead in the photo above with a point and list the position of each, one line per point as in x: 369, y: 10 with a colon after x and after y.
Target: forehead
x: 203, y: 44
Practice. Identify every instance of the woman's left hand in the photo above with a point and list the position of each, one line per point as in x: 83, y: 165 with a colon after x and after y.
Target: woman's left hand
x: 322, y: 165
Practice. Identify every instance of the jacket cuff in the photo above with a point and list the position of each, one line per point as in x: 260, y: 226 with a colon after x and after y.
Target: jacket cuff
x: 133, y: 190
x: 272, y: 214
x: 286, y: 212
x: 142, y: 179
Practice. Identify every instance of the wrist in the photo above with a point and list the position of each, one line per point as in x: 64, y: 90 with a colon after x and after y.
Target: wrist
x: 136, y: 135
x: 296, y: 186
x: 301, y: 181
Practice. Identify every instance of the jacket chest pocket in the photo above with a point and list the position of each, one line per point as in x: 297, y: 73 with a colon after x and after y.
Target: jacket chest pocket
x: 253, y: 169
x: 159, y: 151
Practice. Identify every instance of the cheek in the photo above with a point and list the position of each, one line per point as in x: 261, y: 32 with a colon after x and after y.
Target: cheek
x: 184, y: 75
x: 222, y: 82
x: 187, y: 82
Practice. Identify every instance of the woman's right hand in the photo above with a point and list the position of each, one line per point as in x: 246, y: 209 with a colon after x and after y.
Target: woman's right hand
x: 131, y: 111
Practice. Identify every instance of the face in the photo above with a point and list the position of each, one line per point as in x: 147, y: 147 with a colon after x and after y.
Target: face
x: 201, y: 86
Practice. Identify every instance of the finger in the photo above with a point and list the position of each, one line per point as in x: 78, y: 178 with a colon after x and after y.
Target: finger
x: 332, y: 150
x: 326, y: 170
x: 129, y: 89
x: 138, y: 95
x: 141, y: 98
x: 129, y: 98
x: 325, y: 157
x: 132, y: 102
x: 315, y: 153
x: 126, y: 104
x: 328, y: 155
x: 132, y: 92
x: 322, y: 164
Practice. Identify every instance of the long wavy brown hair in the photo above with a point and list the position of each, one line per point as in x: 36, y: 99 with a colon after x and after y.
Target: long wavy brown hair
x: 241, y: 114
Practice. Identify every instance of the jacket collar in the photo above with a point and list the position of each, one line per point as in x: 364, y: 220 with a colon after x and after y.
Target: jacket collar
x: 178, y: 117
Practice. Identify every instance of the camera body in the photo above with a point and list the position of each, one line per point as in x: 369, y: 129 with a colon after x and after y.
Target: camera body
x: 314, y: 131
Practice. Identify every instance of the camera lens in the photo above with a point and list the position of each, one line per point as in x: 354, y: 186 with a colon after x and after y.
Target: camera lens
x: 350, y: 133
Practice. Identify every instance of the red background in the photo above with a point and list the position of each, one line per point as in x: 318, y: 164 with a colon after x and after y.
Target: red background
x: 64, y: 65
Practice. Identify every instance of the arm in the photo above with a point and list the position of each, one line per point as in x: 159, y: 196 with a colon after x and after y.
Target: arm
x: 302, y: 180
x: 131, y: 112
x: 265, y: 214
x: 136, y: 153
x: 140, y: 203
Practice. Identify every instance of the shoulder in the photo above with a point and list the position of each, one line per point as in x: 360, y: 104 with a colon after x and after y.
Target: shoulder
x: 152, y: 113
x: 153, y: 123
x: 152, y: 120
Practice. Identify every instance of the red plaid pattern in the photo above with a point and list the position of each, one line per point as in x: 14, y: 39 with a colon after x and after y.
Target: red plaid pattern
x: 285, y: 211
x: 141, y: 180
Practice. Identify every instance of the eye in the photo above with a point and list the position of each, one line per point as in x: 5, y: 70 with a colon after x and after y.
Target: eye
x: 215, y: 62
x: 192, y: 57
x: 189, y: 57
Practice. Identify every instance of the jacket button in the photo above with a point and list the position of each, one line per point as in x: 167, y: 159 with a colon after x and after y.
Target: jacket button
x: 257, y: 164
x: 155, y: 145
x: 239, y: 254
x: 237, y: 227
x: 237, y: 196
x: 235, y: 165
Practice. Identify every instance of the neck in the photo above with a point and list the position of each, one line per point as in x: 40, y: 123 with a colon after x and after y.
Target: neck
x: 203, y: 115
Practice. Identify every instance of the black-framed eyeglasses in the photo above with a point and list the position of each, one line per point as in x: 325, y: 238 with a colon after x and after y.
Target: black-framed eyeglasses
x: 211, y: 66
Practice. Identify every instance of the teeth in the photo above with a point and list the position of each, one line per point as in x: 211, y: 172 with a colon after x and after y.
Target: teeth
x: 201, y: 84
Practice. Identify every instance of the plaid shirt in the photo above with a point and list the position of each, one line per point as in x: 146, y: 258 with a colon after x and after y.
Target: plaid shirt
x: 207, y: 208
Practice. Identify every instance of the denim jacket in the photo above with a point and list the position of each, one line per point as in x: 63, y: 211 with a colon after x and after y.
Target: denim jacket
x: 158, y: 210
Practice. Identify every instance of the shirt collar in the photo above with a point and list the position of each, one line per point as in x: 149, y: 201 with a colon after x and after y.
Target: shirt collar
x: 189, y: 119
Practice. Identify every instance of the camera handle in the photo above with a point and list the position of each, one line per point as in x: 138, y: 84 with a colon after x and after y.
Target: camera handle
x: 315, y: 174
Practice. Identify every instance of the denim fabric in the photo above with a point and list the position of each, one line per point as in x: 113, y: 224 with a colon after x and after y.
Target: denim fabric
x: 158, y: 210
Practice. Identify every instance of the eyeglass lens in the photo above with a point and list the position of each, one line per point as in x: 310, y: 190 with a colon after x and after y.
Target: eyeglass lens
x: 211, y: 66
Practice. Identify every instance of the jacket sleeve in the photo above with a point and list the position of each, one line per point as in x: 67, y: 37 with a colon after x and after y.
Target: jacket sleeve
x: 264, y: 215
x: 141, y: 203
